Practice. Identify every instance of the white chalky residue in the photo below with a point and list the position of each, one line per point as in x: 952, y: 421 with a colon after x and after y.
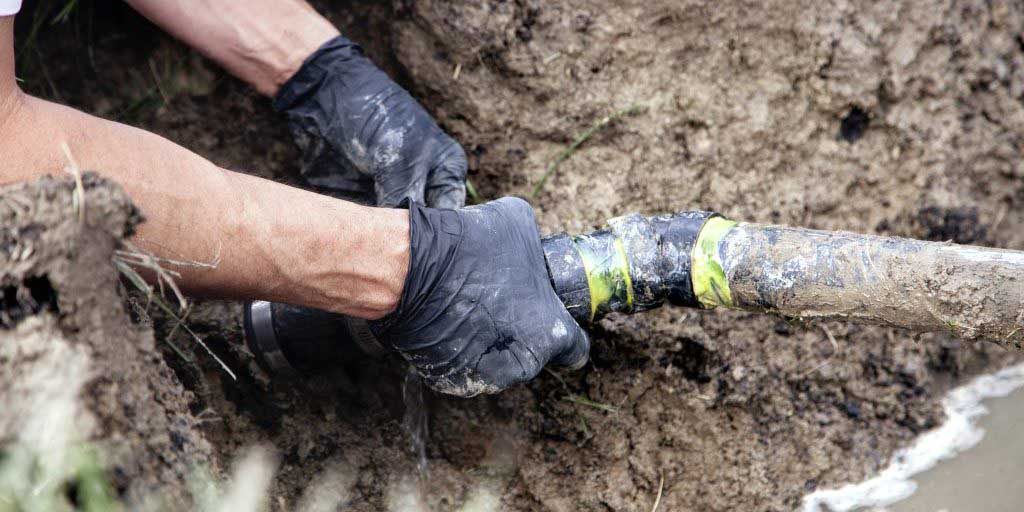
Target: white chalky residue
x: 390, y: 149
x: 382, y: 114
x: 958, y: 433
x: 357, y: 154
x: 777, y: 277
x: 470, y: 386
x: 357, y: 148
x: 781, y: 278
x: 985, y: 255
x: 559, y: 329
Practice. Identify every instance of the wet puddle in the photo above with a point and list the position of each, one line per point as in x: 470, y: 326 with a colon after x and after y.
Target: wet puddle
x: 973, y: 462
x: 986, y: 478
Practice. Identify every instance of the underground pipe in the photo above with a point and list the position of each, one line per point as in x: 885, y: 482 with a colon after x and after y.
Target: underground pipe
x: 701, y: 260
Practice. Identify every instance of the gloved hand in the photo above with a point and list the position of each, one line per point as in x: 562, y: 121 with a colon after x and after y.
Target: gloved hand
x: 365, y: 138
x: 478, y: 313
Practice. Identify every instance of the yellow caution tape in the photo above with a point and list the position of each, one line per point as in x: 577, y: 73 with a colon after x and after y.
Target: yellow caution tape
x: 710, y: 284
x: 608, y: 278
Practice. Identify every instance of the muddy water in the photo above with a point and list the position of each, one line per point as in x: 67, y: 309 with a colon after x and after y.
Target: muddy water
x: 985, y: 478
x: 972, y: 462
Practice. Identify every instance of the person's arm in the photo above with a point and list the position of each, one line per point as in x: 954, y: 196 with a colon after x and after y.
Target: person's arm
x: 363, y: 137
x: 271, y: 241
x: 262, y: 42
x: 463, y: 294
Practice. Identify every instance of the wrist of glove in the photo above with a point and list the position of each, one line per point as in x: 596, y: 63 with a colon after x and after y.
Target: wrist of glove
x: 478, y: 313
x: 363, y: 137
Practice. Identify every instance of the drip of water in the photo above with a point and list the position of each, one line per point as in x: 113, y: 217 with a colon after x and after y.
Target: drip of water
x: 414, y: 420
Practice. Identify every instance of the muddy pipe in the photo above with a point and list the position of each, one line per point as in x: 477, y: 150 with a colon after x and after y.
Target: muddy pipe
x: 701, y: 260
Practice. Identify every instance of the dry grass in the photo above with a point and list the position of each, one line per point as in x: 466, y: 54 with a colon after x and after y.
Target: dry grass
x: 132, y: 258
x: 661, y: 489
x: 78, y: 197
x: 471, y: 193
x: 579, y: 399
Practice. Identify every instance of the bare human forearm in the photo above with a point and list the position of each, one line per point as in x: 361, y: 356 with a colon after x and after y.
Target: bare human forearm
x: 263, y: 42
x: 272, y: 241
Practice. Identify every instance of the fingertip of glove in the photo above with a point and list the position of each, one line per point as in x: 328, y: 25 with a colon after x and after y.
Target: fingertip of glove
x: 576, y: 355
x: 517, y: 207
x: 455, y: 160
x: 448, y: 199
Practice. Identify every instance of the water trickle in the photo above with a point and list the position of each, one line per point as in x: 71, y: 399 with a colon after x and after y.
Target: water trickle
x: 414, y: 420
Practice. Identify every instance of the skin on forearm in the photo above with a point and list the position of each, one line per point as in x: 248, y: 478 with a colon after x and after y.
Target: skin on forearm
x: 271, y: 241
x: 263, y: 42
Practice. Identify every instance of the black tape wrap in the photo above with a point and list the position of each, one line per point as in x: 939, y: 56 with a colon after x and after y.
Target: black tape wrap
x: 678, y: 233
x: 643, y: 254
x: 568, y: 275
x: 637, y: 264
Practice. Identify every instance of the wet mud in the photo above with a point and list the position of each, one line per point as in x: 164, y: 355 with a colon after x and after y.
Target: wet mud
x: 896, y: 118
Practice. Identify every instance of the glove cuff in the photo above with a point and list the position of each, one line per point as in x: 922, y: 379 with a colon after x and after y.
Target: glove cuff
x: 338, y: 53
x: 434, y: 236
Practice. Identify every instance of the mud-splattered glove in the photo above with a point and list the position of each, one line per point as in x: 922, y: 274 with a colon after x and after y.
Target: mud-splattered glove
x: 478, y: 313
x: 365, y: 138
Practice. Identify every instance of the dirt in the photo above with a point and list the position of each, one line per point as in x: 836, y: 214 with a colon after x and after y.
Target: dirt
x: 62, y: 304
x: 902, y: 118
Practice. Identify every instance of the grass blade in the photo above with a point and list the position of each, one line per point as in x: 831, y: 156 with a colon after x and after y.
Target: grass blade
x: 569, y: 150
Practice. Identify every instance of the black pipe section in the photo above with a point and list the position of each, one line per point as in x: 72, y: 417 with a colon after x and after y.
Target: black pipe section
x: 636, y: 264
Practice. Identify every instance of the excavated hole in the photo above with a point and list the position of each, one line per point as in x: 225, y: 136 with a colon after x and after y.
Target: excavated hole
x: 693, y: 360
x: 22, y: 300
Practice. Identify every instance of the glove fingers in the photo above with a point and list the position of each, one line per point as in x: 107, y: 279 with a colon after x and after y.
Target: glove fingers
x: 505, y: 368
x: 391, y: 190
x: 446, y: 184
x: 576, y: 345
x: 566, y: 343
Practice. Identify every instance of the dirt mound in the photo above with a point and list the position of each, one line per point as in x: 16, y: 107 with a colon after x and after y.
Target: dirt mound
x: 62, y: 309
x: 902, y: 117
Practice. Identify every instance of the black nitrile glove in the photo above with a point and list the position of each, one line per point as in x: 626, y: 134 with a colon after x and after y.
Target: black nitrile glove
x: 478, y: 313
x: 365, y: 138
